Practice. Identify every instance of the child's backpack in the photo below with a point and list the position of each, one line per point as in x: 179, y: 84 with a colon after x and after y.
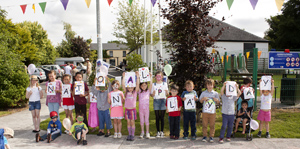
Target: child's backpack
x: 2, y: 146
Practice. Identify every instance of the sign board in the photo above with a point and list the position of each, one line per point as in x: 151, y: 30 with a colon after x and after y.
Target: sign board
x: 189, y: 102
x: 172, y: 104
x: 116, y: 99
x: 51, y: 88
x: 66, y: 91
x: 79, y: 89
x: 282, y: 60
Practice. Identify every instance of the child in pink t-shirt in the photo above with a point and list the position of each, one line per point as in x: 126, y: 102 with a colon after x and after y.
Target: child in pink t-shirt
x: 144, y: 97
x: 130, y: 106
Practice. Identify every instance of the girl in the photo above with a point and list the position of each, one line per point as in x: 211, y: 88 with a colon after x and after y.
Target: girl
x: 34, y: 93
x: 116, y: 111
x: 68, y: 103
x: 53, y: 101
x: 130, y: 106
x: 144, y: 96
x: 93, y: 112
x: 159, y: 92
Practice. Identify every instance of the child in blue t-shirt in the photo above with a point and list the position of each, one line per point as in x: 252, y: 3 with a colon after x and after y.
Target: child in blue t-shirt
x: 53, y: 130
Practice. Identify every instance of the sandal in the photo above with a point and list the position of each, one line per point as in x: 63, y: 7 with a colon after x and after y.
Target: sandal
x: 107, y: 134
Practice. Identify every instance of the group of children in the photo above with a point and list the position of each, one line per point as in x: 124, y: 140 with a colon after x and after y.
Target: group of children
x: 101, y: 112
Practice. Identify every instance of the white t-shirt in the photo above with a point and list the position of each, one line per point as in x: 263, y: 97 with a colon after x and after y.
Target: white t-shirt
x: 266, y: 102
x: 68, y: 70
x: 35, y: 96
x: 159, y: 89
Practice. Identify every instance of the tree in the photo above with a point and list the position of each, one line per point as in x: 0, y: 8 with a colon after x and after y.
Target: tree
x: 79, y: 47
x: 285, y: 28
x: 188, y: 36
x: 134, y: 62
x: 130, y: 25
x: 64, y: 48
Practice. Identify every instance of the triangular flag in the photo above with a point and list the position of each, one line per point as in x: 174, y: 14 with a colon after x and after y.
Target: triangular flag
x: 130, y: 2
x: 153, y: 2
x: 43, y: 6
x: 222, y: 59
x: 279, y: 4
x: 227, y: 58
x: 109, y: 2
x: 258, y: 54
x: 23, y: 7
x: 229, y: 3
x: 247, y: 54
x: 88, y: 2
x: 33, y: 7
x: 65, y: 3
x: 253, y: 3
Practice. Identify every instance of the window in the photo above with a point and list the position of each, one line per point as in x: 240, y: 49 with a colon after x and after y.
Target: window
x: 112, y: 62
x: 111, y: 54
x: 124, y: 53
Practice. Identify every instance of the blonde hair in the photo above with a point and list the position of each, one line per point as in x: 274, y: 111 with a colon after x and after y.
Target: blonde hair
x: 34, y: 77
x: 210, y: 82
x: 189, y: 82
x: 114, y: 82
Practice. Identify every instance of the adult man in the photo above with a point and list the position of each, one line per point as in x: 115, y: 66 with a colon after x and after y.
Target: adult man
x: 68, y: 69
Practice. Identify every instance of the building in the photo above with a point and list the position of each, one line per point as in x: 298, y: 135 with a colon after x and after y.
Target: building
x: 117, y: 52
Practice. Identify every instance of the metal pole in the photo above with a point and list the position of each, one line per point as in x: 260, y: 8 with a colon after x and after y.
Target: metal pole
x: 151, y: 43
x: 145, y: 28
x: 159, y: 32
x: 99, y: 33
x: 225, y: 67
x: 255, y: 59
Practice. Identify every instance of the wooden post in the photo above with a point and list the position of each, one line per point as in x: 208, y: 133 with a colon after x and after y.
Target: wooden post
x: 225, y: 67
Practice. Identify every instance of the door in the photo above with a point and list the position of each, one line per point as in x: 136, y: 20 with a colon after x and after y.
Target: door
x: 249, y: 47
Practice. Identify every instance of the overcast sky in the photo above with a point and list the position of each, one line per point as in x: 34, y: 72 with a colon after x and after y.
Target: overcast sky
x: 83, y: 19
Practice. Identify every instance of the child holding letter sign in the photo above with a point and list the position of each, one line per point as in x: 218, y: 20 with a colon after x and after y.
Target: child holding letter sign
x: 228, y: 112
x: 54, y: 88
x: 174, y: 115
x: 209, y: 98
x: 264, y: 114
x: 130, y: 106
x: 189, y: 115
x: 116, y: 98
x: 68, y: 100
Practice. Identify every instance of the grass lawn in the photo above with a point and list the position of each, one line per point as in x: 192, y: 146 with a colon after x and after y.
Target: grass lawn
x: 11, y: 111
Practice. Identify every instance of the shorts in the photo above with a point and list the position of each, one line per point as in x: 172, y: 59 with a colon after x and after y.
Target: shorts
x: 130, y: 114
x: 159, y: 104
x: 78, y: 131
x: 34, y: 105
x: 68, y: 107
x: 244, y: 117
x: 264, y: 116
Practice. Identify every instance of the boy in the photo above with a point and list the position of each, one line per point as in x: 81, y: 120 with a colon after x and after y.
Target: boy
x: 227, y: 113
x: 53, y: 130
x: 80, y: 129
x: 209, y: 98
x: 189, y: 115
x: 80, y: 100
x: 103, y: 107
x: 175, y: 115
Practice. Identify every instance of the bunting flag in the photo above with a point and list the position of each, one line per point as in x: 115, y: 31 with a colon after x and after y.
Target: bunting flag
x: 88, y: 2
x: 258, y: 54
x: 43, y: 6
x: 222, y: 59
x: 253, y: 3
x: 247, y: 54
x: 229, y: 3
x: 130, y: 2
x: 65, y: 3
x: 153, y: 2
x: 33, y: 7
x: 109, y: 2
x: 279, y: 4
x: 227, y: 58
x: 23, y: 7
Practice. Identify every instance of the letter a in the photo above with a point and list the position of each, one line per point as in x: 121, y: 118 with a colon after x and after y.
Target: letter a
x: 130, y: 80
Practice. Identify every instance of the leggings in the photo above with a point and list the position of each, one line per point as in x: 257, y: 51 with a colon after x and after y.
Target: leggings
x: 160, y: 115
x: 144, y: 116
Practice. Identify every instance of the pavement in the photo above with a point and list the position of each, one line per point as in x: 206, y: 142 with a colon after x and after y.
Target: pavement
x: 21, y: 123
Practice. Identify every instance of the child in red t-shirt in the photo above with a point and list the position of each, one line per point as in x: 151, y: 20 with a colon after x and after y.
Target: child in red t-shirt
x: 174, y: 116
x: 68, y: 102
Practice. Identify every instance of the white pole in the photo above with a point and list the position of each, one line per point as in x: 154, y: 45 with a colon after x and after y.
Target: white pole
x: 159, y: 32
x: 151, y: 43
x: 145, y: 28
x: 99, y: 34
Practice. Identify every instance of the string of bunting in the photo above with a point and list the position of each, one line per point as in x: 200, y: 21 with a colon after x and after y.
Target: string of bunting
x: 253, y: 3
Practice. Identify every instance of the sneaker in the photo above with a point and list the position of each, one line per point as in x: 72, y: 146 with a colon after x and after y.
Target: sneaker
x: 268, y: 135
x: 221, y: 140
x: 49, y: 138
x: 158, y: 135
x: 131, y: 138
x: 107, y: 134
x: 172, y: 137
x: 211, y: 140
x: 193, y: 137
x: 84, y: 142
x: 119, y: 135
x: 185, y: 138
x: 148, y: 135
x: 204, y: 139
x: 259, y: 134
x: 79, y: 141
x: 128, y: 138
x: 142, y: 135
x: 116, y: 135
x: 228, y: 139
x: 66, y: 131
x: 100, y: 133
x: 176, y: 138
x: 162, y: 134
x: 37, y: 137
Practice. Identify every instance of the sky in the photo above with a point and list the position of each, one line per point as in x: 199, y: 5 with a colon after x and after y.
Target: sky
x: 83, y: 19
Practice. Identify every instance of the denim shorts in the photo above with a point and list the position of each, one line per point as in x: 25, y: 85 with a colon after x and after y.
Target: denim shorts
x: 34, y: 105
x: 159, y: 104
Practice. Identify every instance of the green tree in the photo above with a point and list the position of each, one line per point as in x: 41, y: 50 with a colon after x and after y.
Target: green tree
x: 285, y: 28
x: 134, y: 62
x: 79, y: 47
x: 130, y: 25
x: 64, y: 48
